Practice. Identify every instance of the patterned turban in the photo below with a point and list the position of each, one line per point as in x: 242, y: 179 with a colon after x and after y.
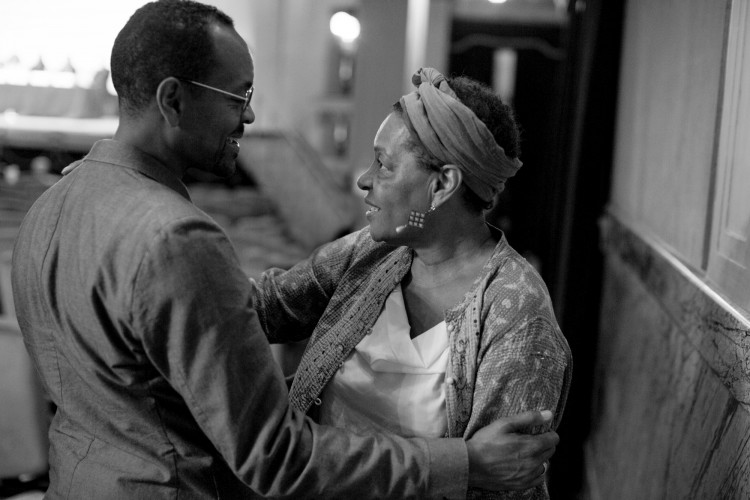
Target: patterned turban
x: 453, y: 134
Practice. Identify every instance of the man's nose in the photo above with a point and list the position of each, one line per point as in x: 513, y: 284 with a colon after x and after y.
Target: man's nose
x: 248, y: 116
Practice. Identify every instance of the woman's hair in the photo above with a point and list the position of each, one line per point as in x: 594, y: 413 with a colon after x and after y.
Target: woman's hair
x: 161, y: 39
x: 490, y: 109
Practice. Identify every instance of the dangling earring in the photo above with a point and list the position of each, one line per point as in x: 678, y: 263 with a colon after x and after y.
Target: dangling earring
x: 416, y: 219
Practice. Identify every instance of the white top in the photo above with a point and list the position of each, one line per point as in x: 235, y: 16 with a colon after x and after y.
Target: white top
x: 390, y: 382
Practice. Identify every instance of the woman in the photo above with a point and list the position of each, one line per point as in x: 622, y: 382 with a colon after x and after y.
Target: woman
x: 426, y: 322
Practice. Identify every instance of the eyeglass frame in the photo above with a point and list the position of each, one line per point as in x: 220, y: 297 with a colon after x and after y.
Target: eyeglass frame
x: 245, y: 100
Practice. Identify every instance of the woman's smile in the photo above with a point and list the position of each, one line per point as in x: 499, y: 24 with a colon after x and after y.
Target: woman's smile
x: 371, y: 211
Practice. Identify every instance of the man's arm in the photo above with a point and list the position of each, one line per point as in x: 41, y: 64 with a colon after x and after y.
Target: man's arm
x: 191, y: 308
x: 191, y: 303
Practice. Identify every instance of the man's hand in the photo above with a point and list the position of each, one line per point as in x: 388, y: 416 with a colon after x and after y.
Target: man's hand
x: 501, y: 457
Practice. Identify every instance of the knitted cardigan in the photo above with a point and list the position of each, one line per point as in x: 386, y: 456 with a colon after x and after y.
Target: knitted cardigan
x: 507, y: 353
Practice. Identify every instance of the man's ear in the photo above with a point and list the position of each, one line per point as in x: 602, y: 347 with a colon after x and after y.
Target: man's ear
x: 170, y: 97
x: 448, y: 183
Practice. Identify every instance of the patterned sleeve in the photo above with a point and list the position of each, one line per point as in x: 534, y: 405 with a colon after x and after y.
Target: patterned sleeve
x: 524, y: 361
x: 290, y: 303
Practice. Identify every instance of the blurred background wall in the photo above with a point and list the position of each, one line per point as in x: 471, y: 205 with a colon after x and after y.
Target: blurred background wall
x: 632, y: 200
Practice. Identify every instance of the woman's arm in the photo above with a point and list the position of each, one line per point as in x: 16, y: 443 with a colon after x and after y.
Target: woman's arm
x: 527, y: 367
x: 290, y: 303
x: 523, y: 364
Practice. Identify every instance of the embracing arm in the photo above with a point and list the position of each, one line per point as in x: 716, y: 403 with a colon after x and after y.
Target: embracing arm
x: 504, y: 456
x: 190, y: 304
x: 290, y: 303
x: 190, y: 309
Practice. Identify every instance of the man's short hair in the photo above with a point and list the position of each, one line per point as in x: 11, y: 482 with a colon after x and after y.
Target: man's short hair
x: 161, y: 39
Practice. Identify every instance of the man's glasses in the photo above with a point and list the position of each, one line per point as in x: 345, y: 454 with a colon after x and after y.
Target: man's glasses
x: 245, y: 100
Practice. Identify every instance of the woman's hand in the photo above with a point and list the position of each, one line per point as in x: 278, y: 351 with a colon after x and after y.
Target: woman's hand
x: 502, y: 457
x: 71, y: 167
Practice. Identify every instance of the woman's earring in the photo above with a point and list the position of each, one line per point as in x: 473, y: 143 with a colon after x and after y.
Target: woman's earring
x: 416, y: 219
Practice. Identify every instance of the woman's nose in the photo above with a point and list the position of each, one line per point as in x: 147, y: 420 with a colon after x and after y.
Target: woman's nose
x: 364, y: 181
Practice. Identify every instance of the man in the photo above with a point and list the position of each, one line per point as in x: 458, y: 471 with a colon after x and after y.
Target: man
x: 139, y: 320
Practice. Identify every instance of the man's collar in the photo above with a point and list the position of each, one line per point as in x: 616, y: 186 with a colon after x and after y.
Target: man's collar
x: 123, y: 154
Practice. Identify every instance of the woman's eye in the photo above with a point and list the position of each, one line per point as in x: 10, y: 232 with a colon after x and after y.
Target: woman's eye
x: 381, y: 168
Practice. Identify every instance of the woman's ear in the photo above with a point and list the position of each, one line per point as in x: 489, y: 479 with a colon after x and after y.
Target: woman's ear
x: 448, y: 182
x: 170, y: 95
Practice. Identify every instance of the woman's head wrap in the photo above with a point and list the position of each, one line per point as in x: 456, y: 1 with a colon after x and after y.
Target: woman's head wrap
x: 452, y: 133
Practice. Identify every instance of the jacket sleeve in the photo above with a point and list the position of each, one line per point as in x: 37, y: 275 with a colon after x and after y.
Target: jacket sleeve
x: 192, y: 309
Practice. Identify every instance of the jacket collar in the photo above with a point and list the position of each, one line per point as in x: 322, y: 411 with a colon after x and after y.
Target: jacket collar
x: 122, y: 154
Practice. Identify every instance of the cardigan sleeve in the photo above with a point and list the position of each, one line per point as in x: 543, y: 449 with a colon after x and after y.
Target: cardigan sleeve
x: 523, y: 364
x: 290, y: 303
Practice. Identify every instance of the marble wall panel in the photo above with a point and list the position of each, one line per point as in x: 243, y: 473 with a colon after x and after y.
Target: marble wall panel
x: 668, y: 421
x: 717, y: 330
